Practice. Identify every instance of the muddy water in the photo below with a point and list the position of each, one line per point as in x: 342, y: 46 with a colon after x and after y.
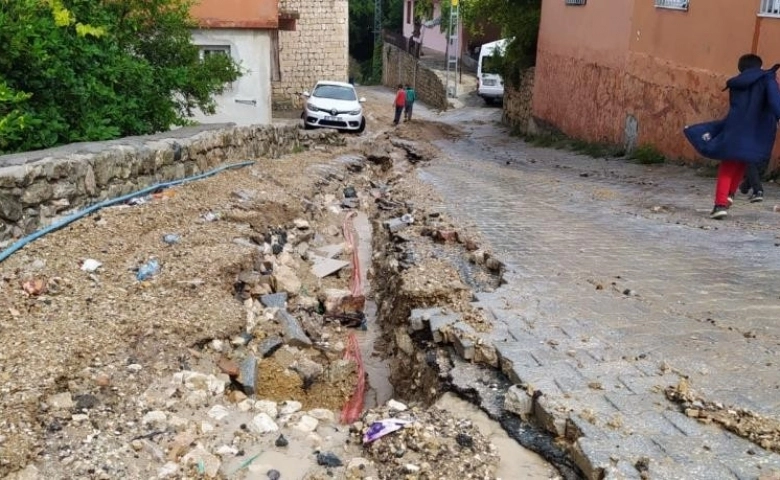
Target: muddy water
x: 516, y: 461
x: 380, y: 390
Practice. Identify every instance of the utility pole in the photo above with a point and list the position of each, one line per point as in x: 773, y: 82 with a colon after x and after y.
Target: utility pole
x: 453, y: 50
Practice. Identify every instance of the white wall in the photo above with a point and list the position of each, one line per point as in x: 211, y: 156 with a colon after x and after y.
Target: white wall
x: 252, y: 50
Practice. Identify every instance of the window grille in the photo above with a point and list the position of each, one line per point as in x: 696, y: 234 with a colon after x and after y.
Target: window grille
x: 770, y: 7
x: 576, y: 2
x: 673, y: 4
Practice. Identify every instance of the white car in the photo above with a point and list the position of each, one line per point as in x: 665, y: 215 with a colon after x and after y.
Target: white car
x: 334, y: 105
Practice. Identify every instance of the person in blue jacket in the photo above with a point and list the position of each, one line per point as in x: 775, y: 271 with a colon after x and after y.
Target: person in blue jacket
x: 748, y: 132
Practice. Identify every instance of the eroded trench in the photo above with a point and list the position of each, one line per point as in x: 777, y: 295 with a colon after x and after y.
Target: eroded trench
x: 411, y: 258
x: 320, y: 358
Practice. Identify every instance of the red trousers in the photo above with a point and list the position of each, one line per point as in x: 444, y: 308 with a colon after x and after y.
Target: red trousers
x: 730, y: 173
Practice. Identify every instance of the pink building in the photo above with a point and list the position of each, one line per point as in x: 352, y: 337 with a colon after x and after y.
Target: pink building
x: 432, y: 36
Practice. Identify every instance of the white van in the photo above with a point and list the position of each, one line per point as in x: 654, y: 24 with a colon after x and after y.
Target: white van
x: 491, y: 85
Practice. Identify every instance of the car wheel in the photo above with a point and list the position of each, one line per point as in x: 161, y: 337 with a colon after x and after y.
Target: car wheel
x: 362, y: 127
x: 488, y: 101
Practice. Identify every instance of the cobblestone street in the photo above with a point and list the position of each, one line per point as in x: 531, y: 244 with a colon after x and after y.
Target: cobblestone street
x: 618, y: 286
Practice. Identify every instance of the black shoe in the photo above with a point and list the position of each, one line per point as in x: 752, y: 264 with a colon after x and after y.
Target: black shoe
x: 757, y: 197
x: 719, y: 212
x: 744, y: 188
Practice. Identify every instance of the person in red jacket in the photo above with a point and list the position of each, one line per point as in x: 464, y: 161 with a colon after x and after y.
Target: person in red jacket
x: 400, y: 103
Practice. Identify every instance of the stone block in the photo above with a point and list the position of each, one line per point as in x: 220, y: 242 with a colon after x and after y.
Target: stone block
x: 294, y: 335
x: 420, y: 316
x: 247, y: 376
x: 518, y: 401
x: 269, y: 346
x: 440, y: 321
x: 274, y: 300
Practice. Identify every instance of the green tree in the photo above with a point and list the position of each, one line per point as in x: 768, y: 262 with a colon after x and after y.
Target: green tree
x: 79, y: 70
x: 518, y: 19
x: 361, y: 32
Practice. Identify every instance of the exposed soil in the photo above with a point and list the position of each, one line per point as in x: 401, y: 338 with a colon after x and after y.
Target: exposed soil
x: 763, y: 431
x: 107, y: 376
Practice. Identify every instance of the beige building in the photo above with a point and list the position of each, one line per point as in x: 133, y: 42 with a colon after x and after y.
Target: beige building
x: 318, y: 48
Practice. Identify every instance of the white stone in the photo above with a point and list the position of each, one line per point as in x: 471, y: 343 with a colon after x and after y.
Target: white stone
x: 217, y: 345
x: 411, y: 468
x: 134, y: 367
x: 267, y: 406
x: 518, y: 401
x: 246, y: 405
x: 197, y: 399
x: 289, y: 407
x: 263, y: 423
x: 61, y: 401
x: 168, y: 470
x: 301, y: 224
x: 216, y: 385
x: 206, y: 427
x: 200, y: 456
x: 219, y: 412
x: 179, y: 424
x: 155, y: 419
x: 307, y: 424
x: 287, y: 280
x: 323, y: 415
x: 396, y: 406
x: 80, y: 418
x: 226, y: 450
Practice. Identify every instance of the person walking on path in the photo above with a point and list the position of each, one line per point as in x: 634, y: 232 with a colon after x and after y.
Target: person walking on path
x: 746, y: 135
x: 411, y: 96
x: 752, y: 181
x: 399, y: 103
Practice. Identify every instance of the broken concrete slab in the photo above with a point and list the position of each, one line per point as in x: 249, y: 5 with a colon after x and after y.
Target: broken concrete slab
x: 395, y: 224
x: 464, y: 346
x: 274, y: 300
x: 440, y: 321
x: 247, y: 376
x: 518, y: 401
x: 269, y: 346
x: 329, y: 251
x: 293, y: 331
x: 420, y: 316
x: 326, y: 266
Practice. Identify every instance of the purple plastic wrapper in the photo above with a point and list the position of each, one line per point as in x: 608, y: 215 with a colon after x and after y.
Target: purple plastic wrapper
x: 383, y: 427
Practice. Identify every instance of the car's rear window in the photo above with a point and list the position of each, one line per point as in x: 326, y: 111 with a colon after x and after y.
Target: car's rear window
x: 335, y: 92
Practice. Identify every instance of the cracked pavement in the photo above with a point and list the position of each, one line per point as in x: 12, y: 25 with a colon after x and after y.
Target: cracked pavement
x: 618, y: 285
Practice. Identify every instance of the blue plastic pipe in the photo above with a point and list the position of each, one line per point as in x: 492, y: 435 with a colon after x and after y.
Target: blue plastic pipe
x: 18, y: 245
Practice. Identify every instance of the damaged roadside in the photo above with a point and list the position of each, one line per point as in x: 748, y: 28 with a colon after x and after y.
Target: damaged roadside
x: 289, y: 299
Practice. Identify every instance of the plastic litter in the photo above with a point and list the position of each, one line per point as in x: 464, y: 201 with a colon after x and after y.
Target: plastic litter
x: 148, y: 270
x: 383, y: 427
x: 354, y: 407
x: 90, y: 265
x: 171, y: 238
x: 407, y: 218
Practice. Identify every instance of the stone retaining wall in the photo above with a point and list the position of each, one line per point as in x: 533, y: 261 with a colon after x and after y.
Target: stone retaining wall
x: 401, y: 67
x: 38, y: 187
x: 518, y: 111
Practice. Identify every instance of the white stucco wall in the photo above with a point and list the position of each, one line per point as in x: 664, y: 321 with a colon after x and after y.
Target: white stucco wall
x: 246, y: 101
